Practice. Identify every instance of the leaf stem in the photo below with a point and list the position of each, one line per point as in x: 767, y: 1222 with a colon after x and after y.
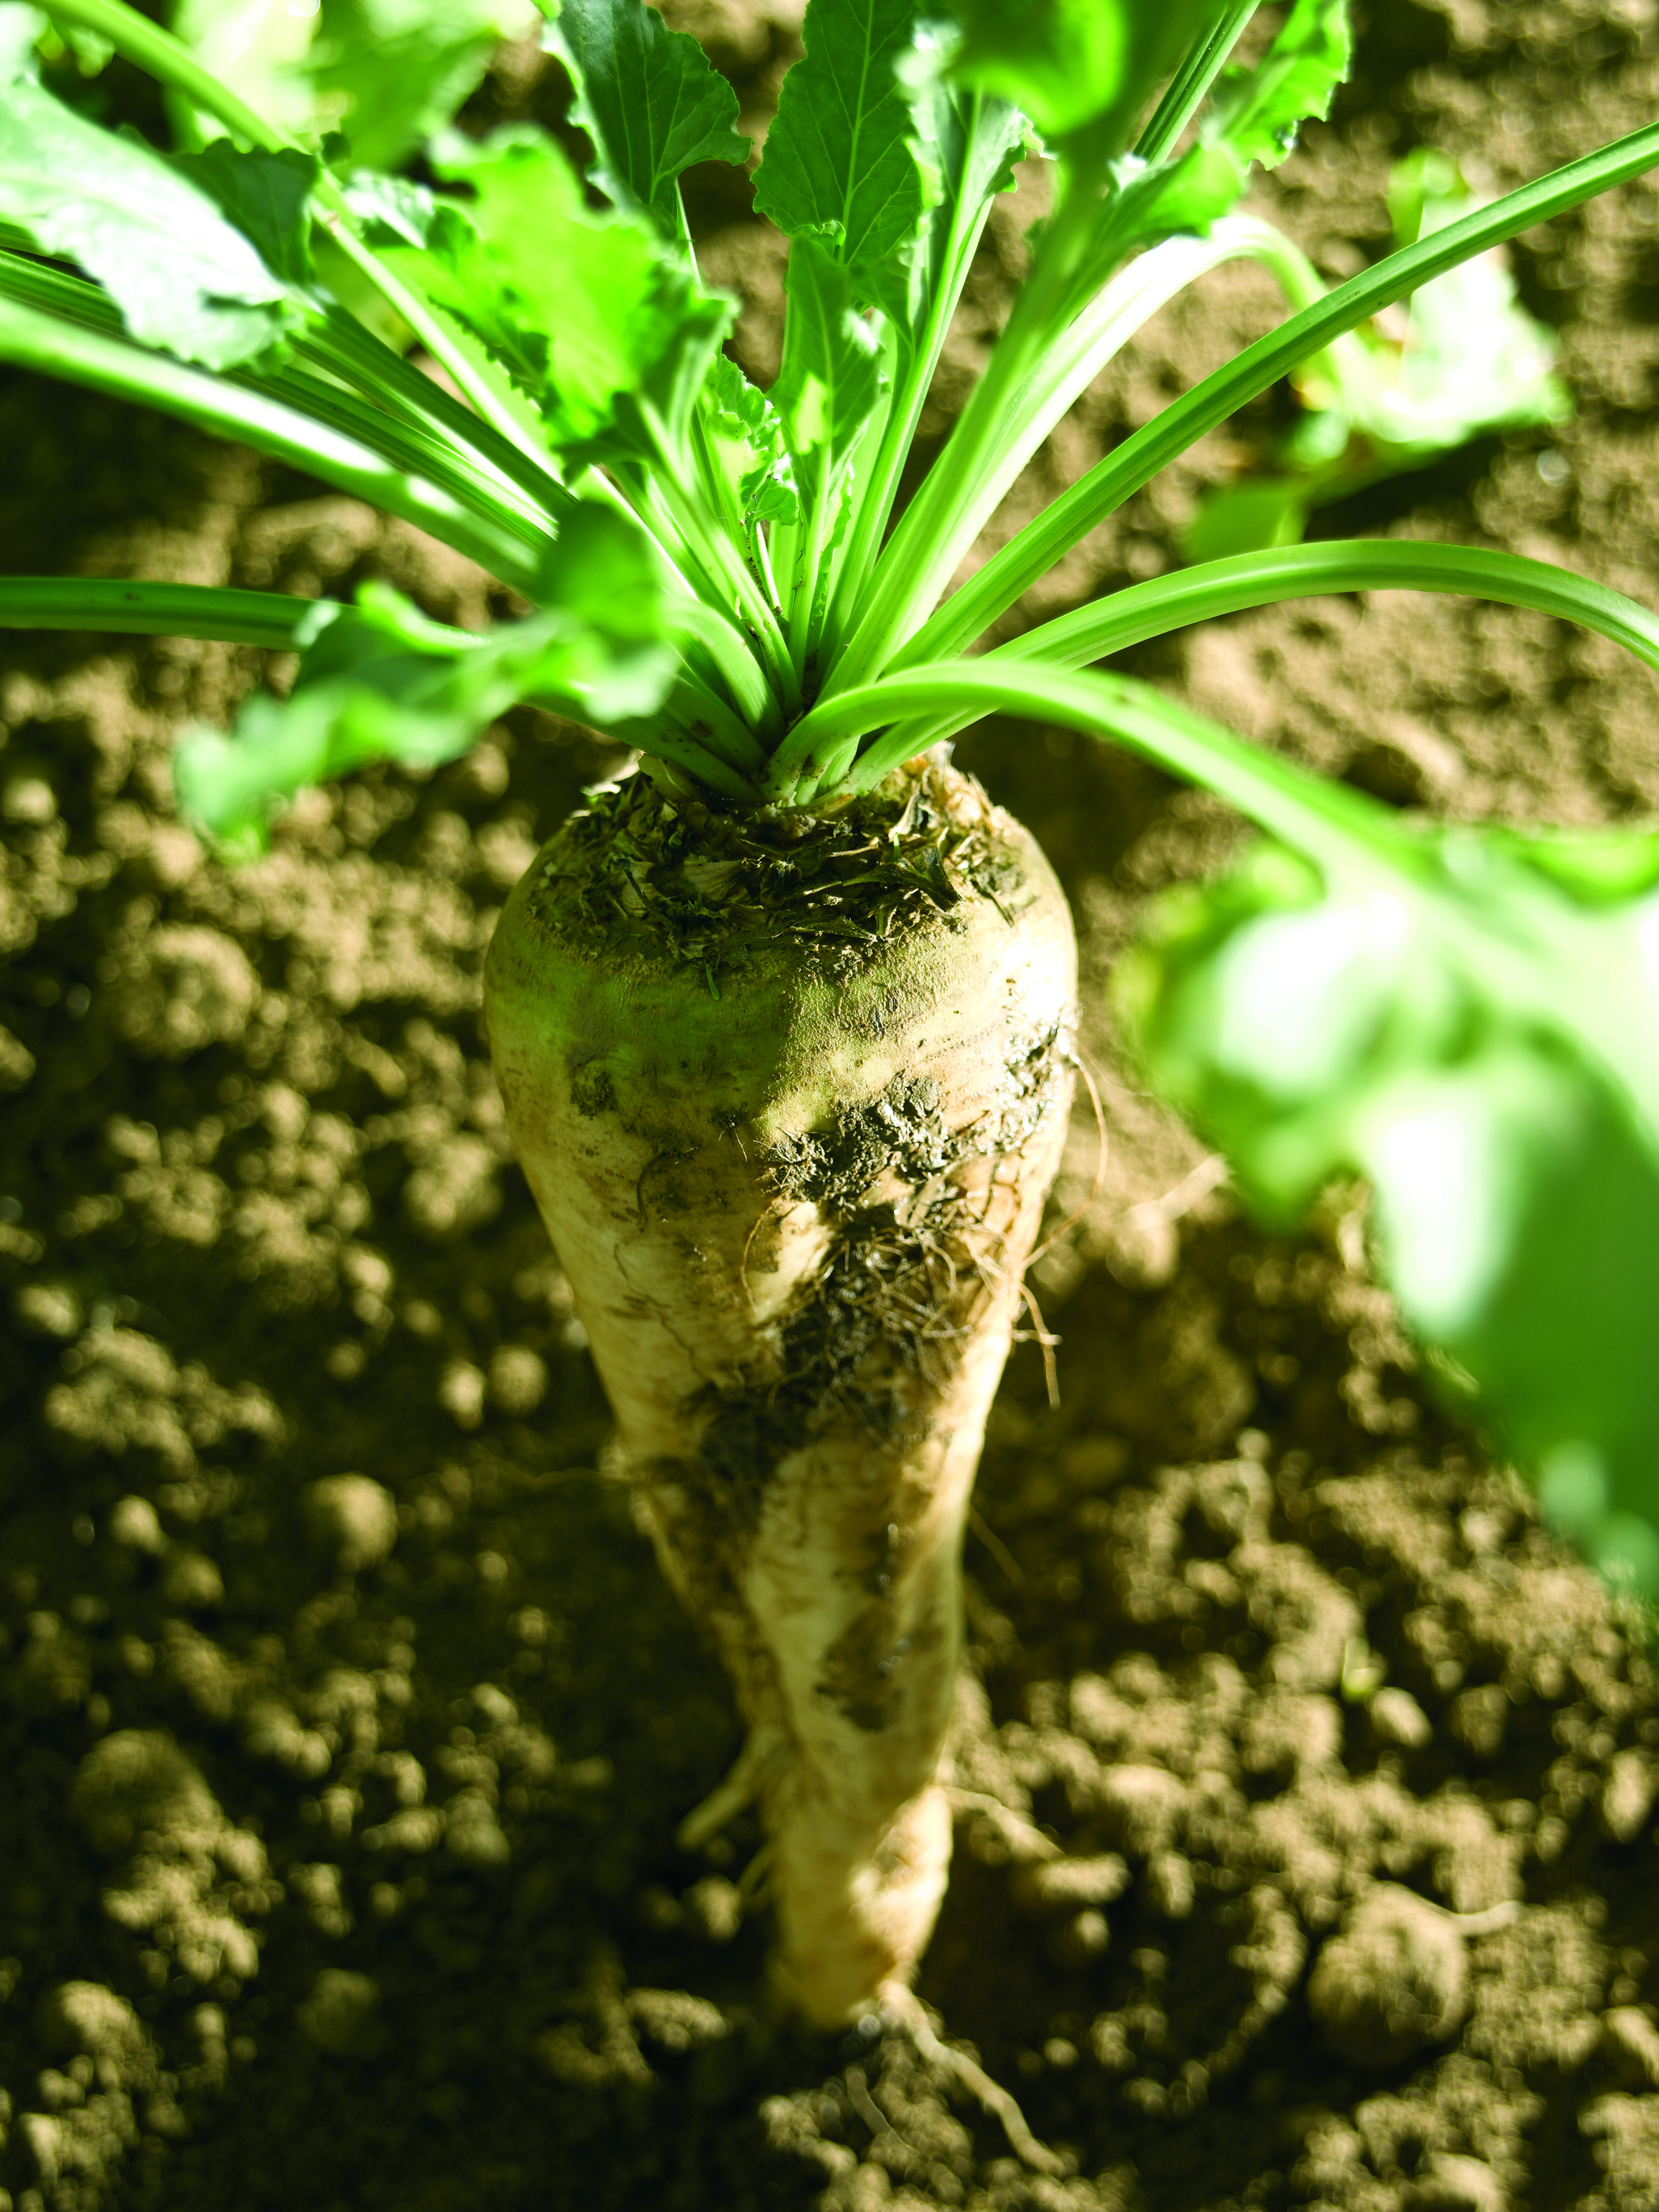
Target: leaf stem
x: 100, y: 603
x: 876, y: 504
x: 44, y: 342
x: 1034, y: 550
x: 907, y: 577
x: 1187, y: 87
x: 1329, y: 822
x: 1288, y: 572
x: 1163, y: 604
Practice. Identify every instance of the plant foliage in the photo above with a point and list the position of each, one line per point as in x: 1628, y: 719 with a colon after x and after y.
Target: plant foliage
x: 727, y: 576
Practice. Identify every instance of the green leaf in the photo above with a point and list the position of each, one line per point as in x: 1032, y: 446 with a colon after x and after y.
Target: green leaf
x: 830, y: 378
x: 965, y: 145
x: 1182, y: 197
x: 258, y: 48
x: 267, y: 196
x: 591, y: 315
x: 1485, y: 1050
x: 184, y: 278
x: 385, y: 73
x: 1471, y: 358
x: 382, y: 682
x: 602, y: 581
x: 1256, y: 114
x: 839, y: 161
x: 1253, y: 118
x: 745, y: 436
x: 1247, y: 518
x: 391, y: 210
x: 1082, y: 70
x: 648, y: 97
x: 19, y: 30
x: 389, y: 73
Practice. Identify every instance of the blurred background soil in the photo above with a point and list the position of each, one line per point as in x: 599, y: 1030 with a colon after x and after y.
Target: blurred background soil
x: 1307, y: 1851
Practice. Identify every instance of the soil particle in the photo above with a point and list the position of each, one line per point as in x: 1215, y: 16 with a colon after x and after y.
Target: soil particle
x: 1395, y: 1979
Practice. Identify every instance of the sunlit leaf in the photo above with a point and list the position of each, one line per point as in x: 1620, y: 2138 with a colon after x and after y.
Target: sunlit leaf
x: 1257, y: 114
x: 745, y: 436
x: 830, y: 378
x: 380, y: 681
x: 839, y: 161
x: 1482, y: 1044
x: 184, y: 277
x: 1078, y: 68
x: 266, y: 196
x: 591, y: 314
x: 648, y: 97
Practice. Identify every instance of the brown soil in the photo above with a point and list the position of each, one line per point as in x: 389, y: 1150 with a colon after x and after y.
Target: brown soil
x: 1306, y: 1852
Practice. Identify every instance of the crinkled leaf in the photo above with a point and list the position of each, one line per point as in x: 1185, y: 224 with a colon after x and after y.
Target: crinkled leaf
x: 1484, y: 1048
x: 590, y: 315
x: 380, y: 681
x: 839, y: 161
x: 830, y: 378
x: 266, y: 196
x: 648, y: 97
x: 391, y: 210
x: 965, y: 145
x: 1082, y: 70
x: 1471, y: 359
x: 745, y: 433
x: 1256, y: 114
x: 389, y: 73
x: 184, y: 277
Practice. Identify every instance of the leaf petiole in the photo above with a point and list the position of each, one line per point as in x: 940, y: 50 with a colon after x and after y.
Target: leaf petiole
x: 1034, y: 550
x: 101, y: 603
x: 43, y: 343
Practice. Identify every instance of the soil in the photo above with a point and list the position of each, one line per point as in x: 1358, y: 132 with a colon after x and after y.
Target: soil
x: 1307, y: 1788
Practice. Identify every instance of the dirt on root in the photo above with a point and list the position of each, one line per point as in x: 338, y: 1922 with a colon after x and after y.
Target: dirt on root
x: 1307, y: 1789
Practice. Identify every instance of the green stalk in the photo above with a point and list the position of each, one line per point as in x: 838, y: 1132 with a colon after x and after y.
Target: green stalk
x: 172, y: 64
x: 43, y: 343
x: 876, y: 506
x: 1326, y: 821
x: 668, y: 736
x: 902, y: 583
x: 1191, y: 81
x: 1290, y: 572
x: 340, y: 344
x: 412, y: 444
x: 1029, y: 555
x: 806, y: 592
x: 724, y: 563
x: 729, y: 651
x: 708, y: 719
x: 1070, y: 365
x: 404, y: 437
x: 1163, y: 604
x: 234, y: 617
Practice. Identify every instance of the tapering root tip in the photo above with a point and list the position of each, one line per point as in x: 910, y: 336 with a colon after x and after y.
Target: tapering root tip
x: 905, y: 2009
